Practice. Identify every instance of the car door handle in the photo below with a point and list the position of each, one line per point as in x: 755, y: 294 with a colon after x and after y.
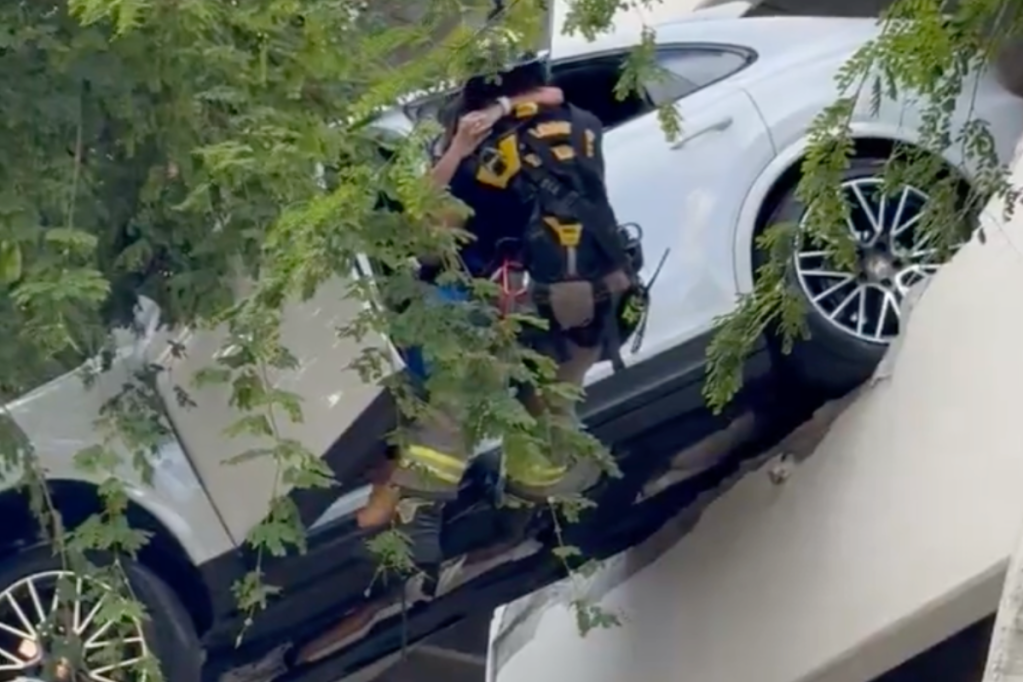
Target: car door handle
x: 716, y: 126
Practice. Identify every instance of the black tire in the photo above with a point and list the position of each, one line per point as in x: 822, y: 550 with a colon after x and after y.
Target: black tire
x: 169, y: 632
x: 831, y: 360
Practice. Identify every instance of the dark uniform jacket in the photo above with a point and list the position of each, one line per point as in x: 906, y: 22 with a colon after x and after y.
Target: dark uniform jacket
x: 502, y: 200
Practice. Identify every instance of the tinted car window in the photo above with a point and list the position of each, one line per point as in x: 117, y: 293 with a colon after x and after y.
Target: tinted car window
x: 688, y: 70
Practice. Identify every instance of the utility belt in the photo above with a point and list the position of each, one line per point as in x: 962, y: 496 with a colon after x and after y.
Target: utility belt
x: 588, y: 312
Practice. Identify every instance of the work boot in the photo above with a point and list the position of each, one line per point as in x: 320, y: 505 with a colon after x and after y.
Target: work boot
x: 383, y: 499
x: 419, y: 518
x: 418, y: 514
x: 422, y: 521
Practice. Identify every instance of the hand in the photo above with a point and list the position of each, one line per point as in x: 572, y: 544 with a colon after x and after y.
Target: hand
x: 549, y: 96
x: 472, y: 129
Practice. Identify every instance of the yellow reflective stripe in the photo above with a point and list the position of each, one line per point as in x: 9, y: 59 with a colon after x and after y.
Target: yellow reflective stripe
x: 445, y: 467
x: 525, y: 109
x: 551, y: 129
x: 537, y: 475
x: 563, y: 152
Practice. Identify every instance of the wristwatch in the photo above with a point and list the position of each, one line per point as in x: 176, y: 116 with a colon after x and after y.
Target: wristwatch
x: 505, y: 104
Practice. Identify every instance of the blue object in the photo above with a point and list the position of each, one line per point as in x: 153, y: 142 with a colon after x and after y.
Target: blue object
x: 417, y: 367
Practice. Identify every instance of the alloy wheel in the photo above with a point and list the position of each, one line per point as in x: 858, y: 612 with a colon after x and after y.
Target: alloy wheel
x: 867, y: 302
x: 35, y: 615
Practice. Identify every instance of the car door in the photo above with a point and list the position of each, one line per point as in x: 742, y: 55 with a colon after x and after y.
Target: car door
x: 686, y: 194
x: 343, y: 422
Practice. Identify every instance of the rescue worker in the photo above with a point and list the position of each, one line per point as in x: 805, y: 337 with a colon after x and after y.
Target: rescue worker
x: 498, y: 166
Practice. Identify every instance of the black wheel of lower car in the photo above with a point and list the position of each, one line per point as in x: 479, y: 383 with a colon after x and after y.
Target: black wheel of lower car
x: 64, y: 633
x: 853, y: 314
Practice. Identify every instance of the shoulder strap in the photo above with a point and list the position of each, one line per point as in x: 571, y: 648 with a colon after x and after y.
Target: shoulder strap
x: 554, y: 186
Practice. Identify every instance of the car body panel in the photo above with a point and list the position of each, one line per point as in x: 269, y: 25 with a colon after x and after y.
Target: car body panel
x: 685, y: 195
x: 59, y: 419
x: 333, y: 397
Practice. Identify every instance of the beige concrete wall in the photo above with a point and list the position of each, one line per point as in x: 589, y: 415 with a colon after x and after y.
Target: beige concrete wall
x: 892, y: 536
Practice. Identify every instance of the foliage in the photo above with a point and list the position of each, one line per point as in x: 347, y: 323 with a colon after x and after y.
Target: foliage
x: 928, y: 51
x: 219, y: 160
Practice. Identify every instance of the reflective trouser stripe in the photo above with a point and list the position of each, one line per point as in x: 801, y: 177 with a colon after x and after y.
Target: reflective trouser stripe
x: 442, y: 466
x: 537, y: 475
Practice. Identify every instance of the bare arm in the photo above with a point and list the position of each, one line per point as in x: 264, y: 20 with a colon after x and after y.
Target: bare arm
x: 546, y: 96
x: 446, y: 165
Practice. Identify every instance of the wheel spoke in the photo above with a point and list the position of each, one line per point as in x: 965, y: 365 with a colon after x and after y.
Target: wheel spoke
x: 868, y: 210
x: 76, y: 613
x: 89, y: 616
x: 924, y: 254
x: 9, y: 661
x: 32, y: 634
x: 813, y: 254
x: 829, y: 274
x: 909, y: 276
x: 855, y: 232
x: 100, y: 631
x: 900, y: 207
x: 55, y: 600
x: 99, y: 674
x: 106, y: 642
x: 37, y: 603
x: 861, y: 311
x: 846, y: 301
x: 833, y: 289
x: 4, y: 627
x: 882, y: 208
x: 889, y: 303
x: 899, y: 228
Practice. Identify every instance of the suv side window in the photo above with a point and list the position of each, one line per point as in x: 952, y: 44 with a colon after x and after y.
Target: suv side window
x: 590, y: 84
x: 686, y: 70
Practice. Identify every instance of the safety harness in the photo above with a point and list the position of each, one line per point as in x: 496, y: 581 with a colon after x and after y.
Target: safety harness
x: 583, y: 267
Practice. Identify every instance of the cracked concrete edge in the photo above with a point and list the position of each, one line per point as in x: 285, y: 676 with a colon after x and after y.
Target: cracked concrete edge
x: 886, y: 368
x: 520, y: 619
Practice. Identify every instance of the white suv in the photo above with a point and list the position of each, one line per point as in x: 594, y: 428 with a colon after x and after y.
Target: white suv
x: 701, y: 200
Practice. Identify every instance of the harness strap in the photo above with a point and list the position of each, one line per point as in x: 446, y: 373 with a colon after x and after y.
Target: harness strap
x: 546, y: 180
x: 566, y: 193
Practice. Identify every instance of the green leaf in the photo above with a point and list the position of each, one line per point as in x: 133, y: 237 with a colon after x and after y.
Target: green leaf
x: 565, y: 553
x: 69, y: 238
x: 10, y: 261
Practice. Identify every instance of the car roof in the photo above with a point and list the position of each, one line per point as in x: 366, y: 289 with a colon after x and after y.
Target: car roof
x: 628, y: 26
